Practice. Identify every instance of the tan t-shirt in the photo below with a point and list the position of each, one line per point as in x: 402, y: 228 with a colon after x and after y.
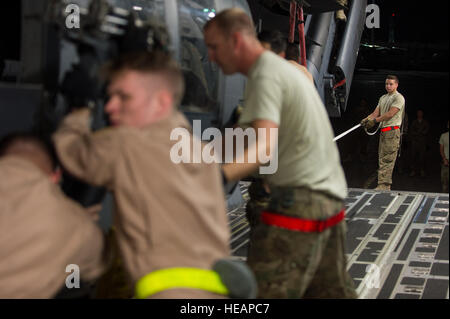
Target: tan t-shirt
x: 168, y: 214
x: 444, y: 141
x: 307, y: 155
x: 392, y: 100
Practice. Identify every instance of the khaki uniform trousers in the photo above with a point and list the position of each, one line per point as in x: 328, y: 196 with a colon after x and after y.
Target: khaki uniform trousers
x: 387, y: 155
x: 444, y: 178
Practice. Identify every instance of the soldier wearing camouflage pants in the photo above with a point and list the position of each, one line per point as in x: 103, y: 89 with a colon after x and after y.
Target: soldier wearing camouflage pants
x: 297, y: 244
x: 419, y: 133
x: 301, y: 263
x: 443, y: 148
x: 389, y: 112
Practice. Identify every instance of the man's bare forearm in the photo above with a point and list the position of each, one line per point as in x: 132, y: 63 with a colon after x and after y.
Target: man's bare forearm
x: 241, y: 167
x: 382, y: 118
x: 444, y: 158
x: 387, y: 116
x: 266, y: 144
x: 237, y: 171
x: 375, y: 113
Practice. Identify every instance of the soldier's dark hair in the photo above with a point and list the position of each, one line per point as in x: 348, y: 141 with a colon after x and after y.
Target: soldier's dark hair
x: 275, y: 38
x: 392, y: 77
x: 30, y: 145
x: 155, y: 62
x: 293, y: 52
x: 232, y: 20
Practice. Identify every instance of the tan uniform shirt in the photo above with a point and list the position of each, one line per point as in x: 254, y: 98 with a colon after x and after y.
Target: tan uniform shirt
x: 41, y: 233
x: 419, y: 131
x: 392, y: 100
x: 307, y: 155
x: 168, y: 215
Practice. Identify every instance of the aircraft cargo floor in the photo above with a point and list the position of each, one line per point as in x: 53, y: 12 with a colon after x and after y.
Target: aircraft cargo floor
x: 397, y: 243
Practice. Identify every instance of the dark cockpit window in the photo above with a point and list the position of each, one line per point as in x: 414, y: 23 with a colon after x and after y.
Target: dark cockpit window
x: 201, y: 76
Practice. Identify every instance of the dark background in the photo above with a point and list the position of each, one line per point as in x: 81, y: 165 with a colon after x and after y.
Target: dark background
x: 10, y: 29
x: 412, y: 43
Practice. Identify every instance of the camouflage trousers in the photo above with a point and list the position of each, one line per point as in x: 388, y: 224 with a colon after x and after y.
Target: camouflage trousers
x: 444, y: 178
x: 114, y: 283
x: 387, y: 155
x: 292, y: 264
x: 418, y: 152
x: 259, y: 200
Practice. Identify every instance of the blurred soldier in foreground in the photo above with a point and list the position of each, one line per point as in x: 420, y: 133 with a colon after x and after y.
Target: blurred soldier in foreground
x: 171, y: 224
x: 389, y: 112
x: 297, y: 248
x: 41, y: 230
x: 258, y: 190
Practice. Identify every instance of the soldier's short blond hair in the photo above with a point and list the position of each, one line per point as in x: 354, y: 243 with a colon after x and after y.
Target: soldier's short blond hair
x: 155, y: 62
x: 232, y: 20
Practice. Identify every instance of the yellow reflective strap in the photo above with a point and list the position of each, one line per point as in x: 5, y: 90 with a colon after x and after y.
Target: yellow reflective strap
x: 179, y: 277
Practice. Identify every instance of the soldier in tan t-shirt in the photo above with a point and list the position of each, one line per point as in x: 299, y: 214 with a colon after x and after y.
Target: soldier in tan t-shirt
x: 171, y: 223
x: 443, y: 150
x: 44, y: 236
x: 297, y: 249
x: 389, y: 113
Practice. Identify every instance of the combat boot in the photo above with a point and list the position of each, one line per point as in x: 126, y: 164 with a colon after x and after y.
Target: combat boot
x: 368, y: 182
x: 383, y: 187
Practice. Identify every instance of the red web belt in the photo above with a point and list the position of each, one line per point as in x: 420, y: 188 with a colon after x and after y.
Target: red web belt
x: 301, y: 225
x: 390, y: 128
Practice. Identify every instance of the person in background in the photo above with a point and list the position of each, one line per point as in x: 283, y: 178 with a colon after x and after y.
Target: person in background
x: 293, y: 57
x: 389, y: 112
x: 275, y: 42
x: 419, y: 134
x: 443, y: 150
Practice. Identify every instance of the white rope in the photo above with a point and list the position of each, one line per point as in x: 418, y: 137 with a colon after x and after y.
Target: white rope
x: 354, y: 128
x: 346, y: 132
x: 373, y: 133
